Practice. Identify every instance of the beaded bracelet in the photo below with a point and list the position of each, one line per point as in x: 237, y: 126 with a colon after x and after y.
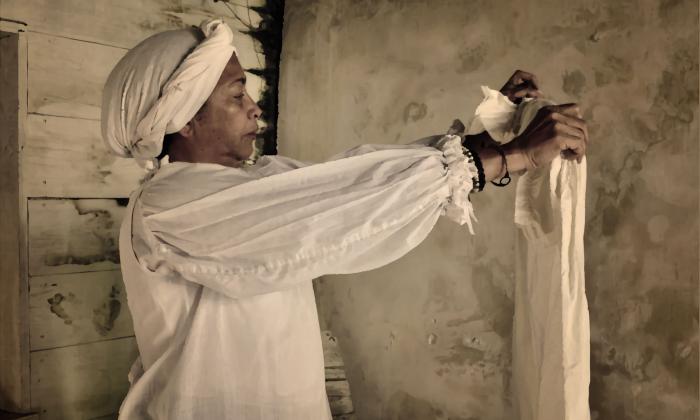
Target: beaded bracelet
x: 479, y: 181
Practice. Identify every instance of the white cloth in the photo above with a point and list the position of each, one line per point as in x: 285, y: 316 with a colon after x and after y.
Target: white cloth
x: 551, y: 332
x: 494, y: 115
x: 218, y: 263
x: 159, y: 86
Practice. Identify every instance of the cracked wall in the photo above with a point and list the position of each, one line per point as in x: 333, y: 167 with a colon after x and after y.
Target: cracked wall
x: 429, y: 335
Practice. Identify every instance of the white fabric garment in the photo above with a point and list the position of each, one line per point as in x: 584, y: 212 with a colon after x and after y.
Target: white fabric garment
x: 551, y: 333
x: 159, y: 85
x: 218, y: 262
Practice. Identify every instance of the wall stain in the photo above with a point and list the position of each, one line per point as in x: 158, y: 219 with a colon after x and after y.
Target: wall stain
x: 495, y: 304
x: 54, y: 260
x: 613, y: 69
x: 675, y: 102
x: 101, y: 224
x: 574, y: 83
x: 461, y: 355
x: 403, y: 406
x: 470, y: 59
x: 460, y: 321
x: 172, y: 19
x: 674, y: 323
x: 414, y: 111
x: 56, y: 307
x: 666, y: 7
x: 105, y: 315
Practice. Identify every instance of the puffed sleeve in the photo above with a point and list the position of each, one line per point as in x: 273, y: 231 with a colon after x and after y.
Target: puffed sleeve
x: 256, y: 234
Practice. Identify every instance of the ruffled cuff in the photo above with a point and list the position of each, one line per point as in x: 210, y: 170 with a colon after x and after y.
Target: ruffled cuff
x: 460, y: 172
x: 495, y: 115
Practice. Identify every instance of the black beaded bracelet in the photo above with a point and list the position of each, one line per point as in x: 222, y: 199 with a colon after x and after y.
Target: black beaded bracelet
x: 479, y: 182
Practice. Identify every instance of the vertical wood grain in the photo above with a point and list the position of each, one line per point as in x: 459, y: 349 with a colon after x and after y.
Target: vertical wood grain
x: 14, y: 386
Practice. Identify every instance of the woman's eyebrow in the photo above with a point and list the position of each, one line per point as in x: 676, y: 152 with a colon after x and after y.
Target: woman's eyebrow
x: 241, y: 79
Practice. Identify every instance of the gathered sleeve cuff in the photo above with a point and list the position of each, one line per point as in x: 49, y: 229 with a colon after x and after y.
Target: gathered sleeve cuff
x: 461, y: 170
x: 359, y: 211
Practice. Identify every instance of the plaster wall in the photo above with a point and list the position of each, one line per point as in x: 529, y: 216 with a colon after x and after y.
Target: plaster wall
x: 428, y: 337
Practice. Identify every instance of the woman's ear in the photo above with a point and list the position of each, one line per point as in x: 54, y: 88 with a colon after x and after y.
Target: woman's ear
x: 187, y: 131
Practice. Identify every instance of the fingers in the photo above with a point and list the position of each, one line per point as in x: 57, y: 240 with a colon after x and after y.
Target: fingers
x: 563, y: 128
x: 559, y: 129
x: 527, y: 92
x: 521, y: 85
x: 571, y: 130
x: 569, y: 154
x: 521, y: 76
x: 572, y: 121
x: 571, y: 109
x: 571, y: 147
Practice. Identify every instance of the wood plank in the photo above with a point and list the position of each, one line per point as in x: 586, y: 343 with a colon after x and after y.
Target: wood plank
x: 118, y: 23
x: 65, y: 157
x: 86, y: 239
x: 14, y: 344
x: 80, y: 382
x: 337, y: 386
x: 71, y: 309
x: 331, y: 351
x: 335, y: 373
x: 339, y: 397
x: 66, y: 76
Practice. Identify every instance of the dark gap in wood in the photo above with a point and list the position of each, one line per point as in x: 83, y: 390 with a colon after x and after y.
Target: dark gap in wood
x: 13, y: 21
x: 40, y: 277
x: 269, y: 35
x: 120, y: 47
x: 83, y: 344
x: 121, y: 201
x: 62, y: 116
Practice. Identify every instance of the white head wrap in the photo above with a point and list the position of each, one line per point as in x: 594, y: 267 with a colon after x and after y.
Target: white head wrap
x: 159, y: 86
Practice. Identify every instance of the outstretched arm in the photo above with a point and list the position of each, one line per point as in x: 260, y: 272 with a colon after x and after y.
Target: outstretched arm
x: 242, y: 234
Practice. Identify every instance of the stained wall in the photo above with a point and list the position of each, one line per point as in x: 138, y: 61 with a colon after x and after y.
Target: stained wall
x: 429, y: 335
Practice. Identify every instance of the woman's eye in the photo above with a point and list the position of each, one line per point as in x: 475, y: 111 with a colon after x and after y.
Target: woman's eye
x: 239, y: 97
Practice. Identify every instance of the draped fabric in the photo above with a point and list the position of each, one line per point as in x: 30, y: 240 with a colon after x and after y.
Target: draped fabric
x: 551, y: 332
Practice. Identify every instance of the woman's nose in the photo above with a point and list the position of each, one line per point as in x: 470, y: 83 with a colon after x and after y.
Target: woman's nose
x: 255, y: 110
x: 258, y: 112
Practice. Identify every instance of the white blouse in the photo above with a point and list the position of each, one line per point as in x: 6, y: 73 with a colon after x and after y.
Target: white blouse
x: 218, y: 263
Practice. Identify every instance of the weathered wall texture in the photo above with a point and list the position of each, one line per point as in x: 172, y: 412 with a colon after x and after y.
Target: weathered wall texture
x: 429, y: 335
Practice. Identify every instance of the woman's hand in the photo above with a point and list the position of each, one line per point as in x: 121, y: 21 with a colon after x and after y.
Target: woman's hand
x: 521, y: 85
x: 555, y: 130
